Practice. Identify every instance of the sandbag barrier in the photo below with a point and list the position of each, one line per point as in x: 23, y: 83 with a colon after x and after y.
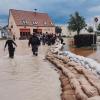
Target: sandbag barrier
x: 84, y: 83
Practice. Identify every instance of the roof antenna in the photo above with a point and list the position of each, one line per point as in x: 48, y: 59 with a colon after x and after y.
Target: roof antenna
x: 35, y: 11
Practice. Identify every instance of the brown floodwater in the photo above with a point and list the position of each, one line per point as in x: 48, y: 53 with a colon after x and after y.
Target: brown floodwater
x: 27, y: 77
x: 81, y: 51
x: 86, y: 52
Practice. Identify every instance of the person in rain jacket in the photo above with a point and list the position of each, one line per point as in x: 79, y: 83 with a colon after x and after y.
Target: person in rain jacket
x: 11, y: 48
x: 34, y: 42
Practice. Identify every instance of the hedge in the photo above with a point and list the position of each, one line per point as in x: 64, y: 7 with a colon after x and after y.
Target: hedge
x: 84, y: 40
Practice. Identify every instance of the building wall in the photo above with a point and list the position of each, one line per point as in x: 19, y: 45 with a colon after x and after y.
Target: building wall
x: 44, y: 30
x: 14, y: 29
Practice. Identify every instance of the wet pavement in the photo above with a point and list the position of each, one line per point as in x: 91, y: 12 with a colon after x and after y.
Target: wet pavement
x: 27, y: 77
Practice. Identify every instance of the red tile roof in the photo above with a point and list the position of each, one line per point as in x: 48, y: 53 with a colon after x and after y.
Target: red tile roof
x: 31, y: 18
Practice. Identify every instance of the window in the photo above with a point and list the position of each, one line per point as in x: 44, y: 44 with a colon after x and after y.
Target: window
x: 51, y: 23
x: 24, y: 22
x: 35, y: 23
x: 45, y: 23
x: 11, y: 26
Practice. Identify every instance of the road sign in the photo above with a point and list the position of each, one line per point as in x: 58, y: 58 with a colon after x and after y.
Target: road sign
x: 96, y: 19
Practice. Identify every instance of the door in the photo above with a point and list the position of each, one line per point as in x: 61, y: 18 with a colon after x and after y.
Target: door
x: 24, y: 33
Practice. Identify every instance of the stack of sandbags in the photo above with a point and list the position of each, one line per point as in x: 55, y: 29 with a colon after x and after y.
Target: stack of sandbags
x: 67, y: 92
x: 63, y: 58
x: 83, y: 81
x: 88, y: 89
x: 92, y: 79
x: 80, y: 95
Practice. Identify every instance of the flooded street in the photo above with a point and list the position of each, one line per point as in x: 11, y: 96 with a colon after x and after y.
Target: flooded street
x: 27, y: 77
x: 86, y: 52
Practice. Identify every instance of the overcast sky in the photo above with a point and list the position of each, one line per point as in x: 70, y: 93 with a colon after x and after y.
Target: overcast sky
x: 58, y: 10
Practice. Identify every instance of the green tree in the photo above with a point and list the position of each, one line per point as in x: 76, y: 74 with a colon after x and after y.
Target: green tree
x: 58, y: 29
x: 76, y: 23
x: 98, y: 28
x: 90, y: 29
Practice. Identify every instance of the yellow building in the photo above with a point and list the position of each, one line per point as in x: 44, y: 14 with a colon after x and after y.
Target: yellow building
x: 23, y: 23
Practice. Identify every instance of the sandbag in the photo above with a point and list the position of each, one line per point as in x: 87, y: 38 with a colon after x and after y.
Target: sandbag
x: 67, y: 87
x: 87, y: 87
x: 74, y: 83
x: 89, y: 90
x: 64, y: 82
x: 68, y: 73
x: 80, y: 95
x: 68, y: 97
x: 94, y: 98
x: 79, y: 69
x: 92, y: 79
x: 69, y: 92
x: 72, y: 63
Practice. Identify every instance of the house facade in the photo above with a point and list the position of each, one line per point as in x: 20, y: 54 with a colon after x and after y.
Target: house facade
x: 23, y: 23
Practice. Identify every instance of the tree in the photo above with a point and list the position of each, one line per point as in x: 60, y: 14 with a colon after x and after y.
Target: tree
x: 58, y: 29
x: 98, y: 28
x: 76, y: 23
x: 90, y: 29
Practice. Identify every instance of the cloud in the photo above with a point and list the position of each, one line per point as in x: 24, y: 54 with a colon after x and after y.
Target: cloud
x: 58, y: 10
x: 94, y: 9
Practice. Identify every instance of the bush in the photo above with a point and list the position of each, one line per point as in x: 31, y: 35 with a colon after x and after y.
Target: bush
x: 84, y: 40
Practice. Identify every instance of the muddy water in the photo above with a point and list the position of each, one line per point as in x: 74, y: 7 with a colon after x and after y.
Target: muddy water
x: 86, y: 52
x: 27, y: 77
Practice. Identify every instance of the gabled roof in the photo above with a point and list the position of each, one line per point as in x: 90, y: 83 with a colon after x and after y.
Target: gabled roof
x: 31, y: 18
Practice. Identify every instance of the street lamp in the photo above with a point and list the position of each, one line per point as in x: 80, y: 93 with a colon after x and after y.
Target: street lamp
x: 95, y: 26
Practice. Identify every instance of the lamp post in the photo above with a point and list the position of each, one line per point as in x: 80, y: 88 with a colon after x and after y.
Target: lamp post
x: 95, y: 26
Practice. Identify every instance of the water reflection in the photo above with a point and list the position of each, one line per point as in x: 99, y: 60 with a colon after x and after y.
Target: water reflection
x: 14, y: 66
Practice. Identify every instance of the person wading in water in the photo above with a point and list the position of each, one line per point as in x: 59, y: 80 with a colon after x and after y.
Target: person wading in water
x: 35, y: 42
x: 11, y: 48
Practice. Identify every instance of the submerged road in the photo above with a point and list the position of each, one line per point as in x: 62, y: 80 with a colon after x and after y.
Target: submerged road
x: 27, y: 77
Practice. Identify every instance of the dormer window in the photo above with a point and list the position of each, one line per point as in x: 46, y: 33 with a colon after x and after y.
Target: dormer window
x: 51, y: 23
x: 35, y: 23
x: 24, y: 22
x: 45, y: 23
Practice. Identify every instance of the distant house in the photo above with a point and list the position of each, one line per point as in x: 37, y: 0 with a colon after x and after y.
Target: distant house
x: 0, y: 34
x: 23, y: 23
x: 67, y: 32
